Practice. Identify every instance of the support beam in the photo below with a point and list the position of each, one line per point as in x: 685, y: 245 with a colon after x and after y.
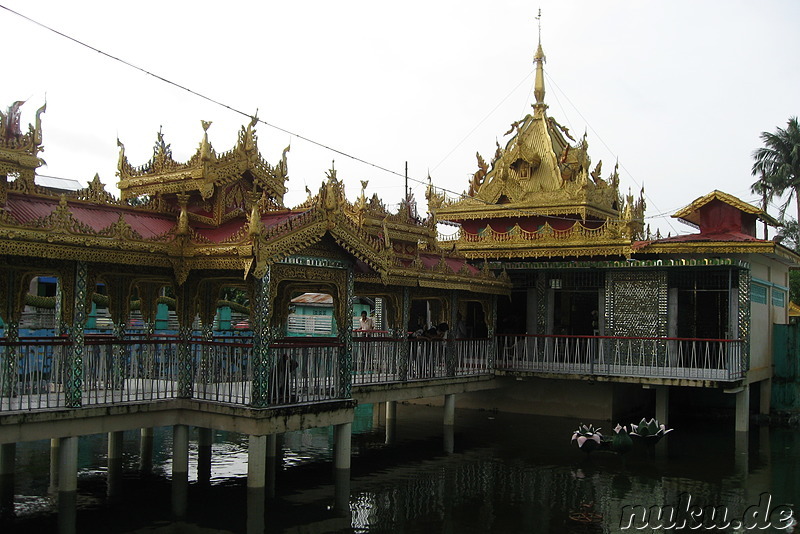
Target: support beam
x: 743, y: 409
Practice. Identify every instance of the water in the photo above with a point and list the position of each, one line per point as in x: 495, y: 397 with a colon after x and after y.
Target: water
x: 508, y: 473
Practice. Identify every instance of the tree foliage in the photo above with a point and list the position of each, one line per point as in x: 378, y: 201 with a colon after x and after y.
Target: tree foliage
x: 777, y: 165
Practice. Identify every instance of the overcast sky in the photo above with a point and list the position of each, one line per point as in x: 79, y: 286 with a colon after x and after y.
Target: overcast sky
x: 679, y: 91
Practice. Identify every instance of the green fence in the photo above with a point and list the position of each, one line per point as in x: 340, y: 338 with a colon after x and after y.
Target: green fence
x: 786, y: 381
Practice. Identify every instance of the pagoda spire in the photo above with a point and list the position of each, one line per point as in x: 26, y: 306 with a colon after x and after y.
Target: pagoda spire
x: 538, y: 60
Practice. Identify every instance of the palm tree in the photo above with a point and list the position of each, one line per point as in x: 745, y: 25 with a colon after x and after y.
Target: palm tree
x: 777, y: 164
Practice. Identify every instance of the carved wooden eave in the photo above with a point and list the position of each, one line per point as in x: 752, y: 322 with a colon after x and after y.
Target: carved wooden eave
x: 205, y: 172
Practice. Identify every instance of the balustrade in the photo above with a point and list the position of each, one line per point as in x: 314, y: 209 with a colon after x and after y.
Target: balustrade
x: 306, y: 370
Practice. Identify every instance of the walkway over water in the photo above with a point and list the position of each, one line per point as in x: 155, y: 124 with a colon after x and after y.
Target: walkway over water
x: 42, y: 374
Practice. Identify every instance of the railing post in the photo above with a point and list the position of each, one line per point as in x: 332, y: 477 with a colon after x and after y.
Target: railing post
x: 262, y: 358
x: 73, y: 387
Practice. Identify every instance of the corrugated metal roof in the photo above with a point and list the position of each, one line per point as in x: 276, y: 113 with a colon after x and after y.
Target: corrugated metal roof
x: 313, y: 298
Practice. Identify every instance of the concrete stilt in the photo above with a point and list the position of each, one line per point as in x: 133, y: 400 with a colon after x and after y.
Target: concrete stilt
x: 272, y: 463
x: 180, y: 469
x: 54, y: 447
x: 114, y: 462
x: 743, y: 409
x: 342, y: 435
x: 8, y: 453
x: 449, y: 422
x: 257, y: 462
x: 256, y: 510
x: 68, y: 465
x: 204, y: 441
x: 765, y: 396
x: 341, y: 492
x: 662, y: 404
x: 449, y: 410
x: 146, y: 451
x: 67, y: 483
x: 391, y: 421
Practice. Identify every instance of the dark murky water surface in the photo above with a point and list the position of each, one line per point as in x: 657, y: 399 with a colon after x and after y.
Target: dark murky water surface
x: 508, y: 473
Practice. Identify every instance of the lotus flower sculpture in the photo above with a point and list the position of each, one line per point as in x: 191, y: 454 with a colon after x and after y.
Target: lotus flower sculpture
x: 621, y: 443
x: 649, y: 431
x: 588, y: 438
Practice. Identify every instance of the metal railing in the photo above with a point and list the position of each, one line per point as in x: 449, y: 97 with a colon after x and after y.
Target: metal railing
x: 376, y: 359
x: 473, y: 356
x: 657, y: 357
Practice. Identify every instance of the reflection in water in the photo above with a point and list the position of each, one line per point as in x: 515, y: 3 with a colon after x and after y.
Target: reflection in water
x: 506, y: 473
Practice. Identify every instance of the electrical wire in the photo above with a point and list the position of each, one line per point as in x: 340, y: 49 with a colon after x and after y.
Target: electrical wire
x: 307, y: 139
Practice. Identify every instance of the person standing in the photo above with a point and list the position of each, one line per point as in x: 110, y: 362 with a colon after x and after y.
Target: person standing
x: 365, y: 322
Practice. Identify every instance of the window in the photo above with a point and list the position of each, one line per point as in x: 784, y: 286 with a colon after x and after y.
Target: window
x: 758, y: 294
x: 778, y: 297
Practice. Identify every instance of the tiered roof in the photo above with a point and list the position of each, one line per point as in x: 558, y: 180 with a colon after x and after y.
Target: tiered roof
x: 539, y: 196
x: 217, y: 212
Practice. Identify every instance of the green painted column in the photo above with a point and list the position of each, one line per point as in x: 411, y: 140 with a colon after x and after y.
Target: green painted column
x: 186, y: 315
x: 73, y: 386
x: 405, y: 343
x: 346, y: 338
x: 450, y: 354
x: 262, y: 358
x: 9, y: 378
x: 492, y: 327
x: 8, y: 452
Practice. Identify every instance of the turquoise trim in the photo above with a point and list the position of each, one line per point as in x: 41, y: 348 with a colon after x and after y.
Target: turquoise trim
x: 770, y: 284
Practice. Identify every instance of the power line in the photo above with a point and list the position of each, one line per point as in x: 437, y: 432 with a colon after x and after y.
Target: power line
x: 299, y: 136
